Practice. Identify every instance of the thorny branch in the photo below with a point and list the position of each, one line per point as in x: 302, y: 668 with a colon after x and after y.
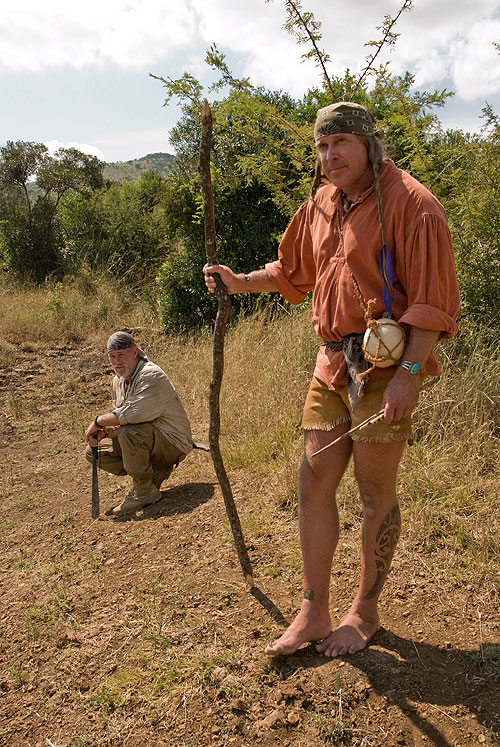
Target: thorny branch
x: 388, y: 39
x: 304, y: 26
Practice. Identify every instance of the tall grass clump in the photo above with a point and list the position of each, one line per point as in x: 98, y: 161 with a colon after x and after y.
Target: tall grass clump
x: 68, y: 311
x: 269, y: 363
x: 449, y: 478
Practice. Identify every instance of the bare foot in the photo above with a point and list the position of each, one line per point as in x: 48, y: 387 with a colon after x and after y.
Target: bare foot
x: 352, y: 635
x: 308, y: 626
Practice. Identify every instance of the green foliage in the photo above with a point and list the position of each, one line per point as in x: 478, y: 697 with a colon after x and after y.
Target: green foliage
x: 406, y: 118
x: 247, y: 225
x: 181, y: 300
x: 36, y: 241
x: 31, y: 234
x: 261, y: 140
x: 69, y: 169
x: 120, y: 229
x: 256, y: 189
x: 463, y: 171
x: 474, y: 211
x: 263, y: 160
x: 19, y: 162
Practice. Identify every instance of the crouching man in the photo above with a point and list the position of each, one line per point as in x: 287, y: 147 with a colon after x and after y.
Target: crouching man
x: 148, y: 428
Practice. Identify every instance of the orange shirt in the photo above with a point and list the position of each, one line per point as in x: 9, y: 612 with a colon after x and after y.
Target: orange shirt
x: 416, y: 230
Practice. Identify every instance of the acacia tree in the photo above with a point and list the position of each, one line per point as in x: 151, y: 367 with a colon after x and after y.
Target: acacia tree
x: 33, y: 240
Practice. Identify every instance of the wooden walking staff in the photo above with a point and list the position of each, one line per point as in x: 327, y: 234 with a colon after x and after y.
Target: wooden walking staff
x: 224, y: 304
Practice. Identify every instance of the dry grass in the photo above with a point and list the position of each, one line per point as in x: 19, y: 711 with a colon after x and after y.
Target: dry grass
x: 449, y: 478
x: 59, y: 313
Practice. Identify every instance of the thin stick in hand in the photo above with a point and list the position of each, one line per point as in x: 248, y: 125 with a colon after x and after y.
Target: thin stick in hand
x: 372, y: 419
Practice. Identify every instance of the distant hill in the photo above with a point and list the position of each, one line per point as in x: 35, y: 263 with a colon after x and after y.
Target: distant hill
x: 131, y: 171
x: 125, y: 171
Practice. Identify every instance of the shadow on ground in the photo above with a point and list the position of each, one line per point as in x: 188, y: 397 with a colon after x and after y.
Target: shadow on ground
x: 181, y: 499
x: 269, y: 606
x: 434, y: 677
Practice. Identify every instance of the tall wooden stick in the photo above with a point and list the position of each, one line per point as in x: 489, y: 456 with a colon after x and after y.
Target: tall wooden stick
x: 224, y: 304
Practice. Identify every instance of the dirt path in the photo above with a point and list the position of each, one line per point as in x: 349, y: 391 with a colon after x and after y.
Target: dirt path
x: 141, y: 631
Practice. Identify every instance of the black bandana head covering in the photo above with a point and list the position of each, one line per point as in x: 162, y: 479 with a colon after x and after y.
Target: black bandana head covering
x: 343, y: 117
x: 123, y: 341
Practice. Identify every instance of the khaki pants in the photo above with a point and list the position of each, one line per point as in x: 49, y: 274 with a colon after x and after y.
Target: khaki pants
x: 140, y: 451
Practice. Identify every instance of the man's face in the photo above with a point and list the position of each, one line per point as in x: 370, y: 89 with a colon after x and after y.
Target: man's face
x: 345, y: 162
x: 124, y: 362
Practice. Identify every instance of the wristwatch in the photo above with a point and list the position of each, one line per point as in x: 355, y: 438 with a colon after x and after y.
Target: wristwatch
x: 413, y: 368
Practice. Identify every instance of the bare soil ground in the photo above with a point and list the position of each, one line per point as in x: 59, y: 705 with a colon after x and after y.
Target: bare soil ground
x: 141, y: 631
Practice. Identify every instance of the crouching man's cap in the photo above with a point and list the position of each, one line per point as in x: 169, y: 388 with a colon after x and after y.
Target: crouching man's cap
x: 123, y: 341
x: 343, y: 116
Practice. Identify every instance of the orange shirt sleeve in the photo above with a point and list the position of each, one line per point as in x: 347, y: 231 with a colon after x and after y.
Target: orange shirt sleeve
x: 294, y: 272
x: 426, y: 269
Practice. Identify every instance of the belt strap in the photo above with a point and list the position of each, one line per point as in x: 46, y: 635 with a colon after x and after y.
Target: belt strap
x: 332, y: 345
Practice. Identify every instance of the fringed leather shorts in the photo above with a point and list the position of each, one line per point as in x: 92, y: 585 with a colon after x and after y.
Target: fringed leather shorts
x: 325, y: 409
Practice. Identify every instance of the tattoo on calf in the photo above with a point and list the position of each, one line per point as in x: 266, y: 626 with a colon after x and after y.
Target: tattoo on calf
x: 387, y: 538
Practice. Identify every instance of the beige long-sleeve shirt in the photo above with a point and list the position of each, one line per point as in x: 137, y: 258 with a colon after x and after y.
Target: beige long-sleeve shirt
x: 150, y: 397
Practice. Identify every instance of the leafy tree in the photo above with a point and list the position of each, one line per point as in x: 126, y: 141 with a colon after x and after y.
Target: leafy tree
x: 121, y: 228
x: 32, y: 236
x: 470, y: 185
x: 252, y: 187
x: 69, y: 169
x: 19, y: 163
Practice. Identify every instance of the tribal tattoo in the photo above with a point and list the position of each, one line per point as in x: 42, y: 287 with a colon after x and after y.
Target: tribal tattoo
x: 387, y: 538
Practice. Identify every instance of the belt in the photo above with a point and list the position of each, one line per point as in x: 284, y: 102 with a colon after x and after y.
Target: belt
x: 331, y: 345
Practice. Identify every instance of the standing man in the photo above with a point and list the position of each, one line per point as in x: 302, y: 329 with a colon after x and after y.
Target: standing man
x: 148, y: 426
x: 362, y: 208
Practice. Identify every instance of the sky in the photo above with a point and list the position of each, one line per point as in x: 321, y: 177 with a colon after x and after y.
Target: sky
x: 77, y: 72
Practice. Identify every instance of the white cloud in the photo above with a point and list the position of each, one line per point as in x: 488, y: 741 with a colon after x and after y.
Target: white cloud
x: 57, y: 33
x: 476, y: 62
x: 83, y: 65
x: 91, y: 150
x: 438, y: 38
x: 441, y: 39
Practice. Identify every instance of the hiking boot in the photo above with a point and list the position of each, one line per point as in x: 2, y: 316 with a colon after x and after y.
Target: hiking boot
x: 133, y: 503
x: 129, y: 504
